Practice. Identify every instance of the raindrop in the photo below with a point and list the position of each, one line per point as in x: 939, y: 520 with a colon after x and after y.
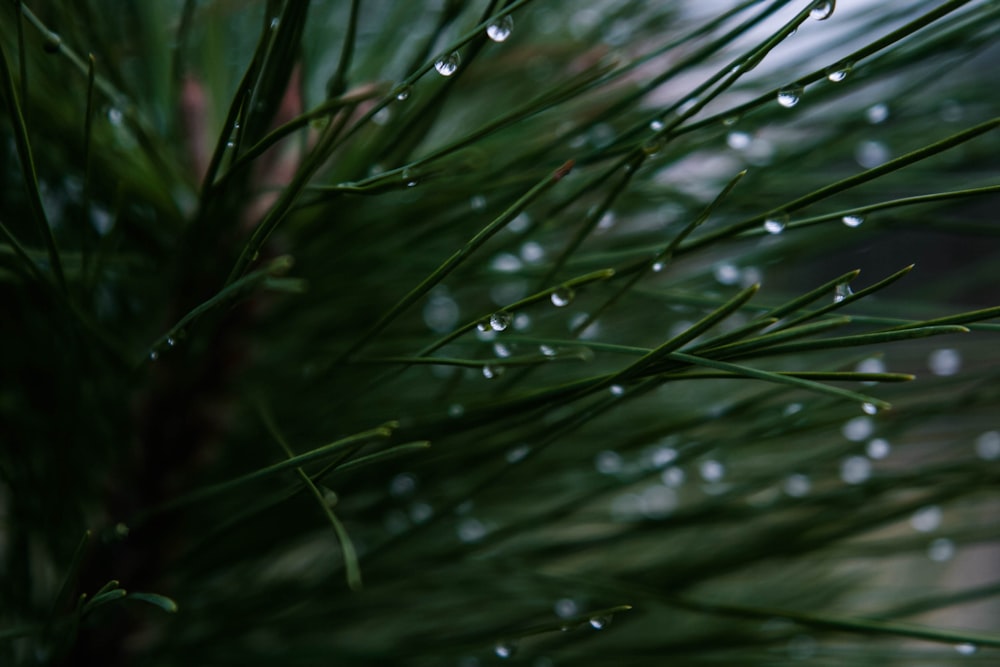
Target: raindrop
x: 532, y: 252
x: 663, y: 456
x: 926, y: 519
x: 652, y: 147
x: 491, y: 371
x: 877, y: 113
x: 517, y: 453
x: 853, y: 220
x: 738, y: 141
x: 504, y: 649
x: 403, y: 484
x: 500, y: 320
x: 506, y: 262
x: 607, y: 221
x: 657, y: 266
x: 858, y: 429
x: 966, y: 648
x: 230, y: 144
x: 522, y: 322
x: 441, y: 313
x: 501, y: 350
x: 869, y: 408
x: 382, y: 116
x: 944, y: 362
x: 878, y: 448
x: 672, y: 477
x: 421, y: 512
x: 478, y: 203
x: 471, y: 530
x: 562, y: 296
x: 988, y: 446
x: 775, y: 225
x: 870, y: 153
x: 855, y: 469
x: 403, y: 93
x: 275, y: 22
x: 617, y: 390
x: 608, y: 462
x: 446, y: 66
x: 940, y: 550
x: 821, y: 11
x: 547, y: 350
x: 838, y: 73
x: 841, y: 292
x: 797, y: 485
x: 520, y: 223
x: 566, y: 608
x: 600, y: 622
x: 792, y: 409
x: 171, y: 341
x: 153, y: 355
x: 656, y: 125
x: 483, y: 326
x: 789, y: 96
x: 712, y: 470
x: 500, y: 30
x: 727, y: 274
x: 115, y: 116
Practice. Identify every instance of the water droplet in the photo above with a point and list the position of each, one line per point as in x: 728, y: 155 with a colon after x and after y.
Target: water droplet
x: 878, y: 448
x: 869, y: 408
x: 441, y: 313
x: 855, y: 469
x: 661, y: 457
x: 446, y: 66
x: 500, y: 320
x: 944, y: 362
x: 870, y: 154
x: 532, y: 252
x: 617, y: 390
x: 775, y: 225
x: 153, y: 355
x: 382, y: 116
x: 478, y: 203
x: 522, y: 322
x: 653, y: 146
x: 608, y: 462
x: 506, y: 262
x: 599, y: 622
x: 501, y: 350
x: 275, y: 22
x: 841, y: 292
x: 547, y: 350
x: 500, y: 30
x: 838, y: 73
x: 988, y: 446
x: 115, y: 116
x: 517, y: 453
x: 456, y: 410
x: 421, y: 512
x: 926, y: 519
x: 726, y: 274
x: 789, y: 96
x: 966, y: 648
x: 712, y: 470
x: 491, y: 371
x: 483, y: 325
x: 792, y: 409
x: 607, y: 221
x: 471, y: 530
x: 504, y: 649
x: 821, y: 11
x: 171, y: 341
x: 739, y: 141
x: 566, y: 608
x: 403, y: 484
x: 877, y: 113
x: 562, y: 296
x: 797, y: 485
x: 403, y: 93
x: 657, y: 266
x: 941, y: 549
x: 656, y: 125
x: 673, y: 477
x: 853, y: 220
x: 520, y: 223
x: 858, y: 429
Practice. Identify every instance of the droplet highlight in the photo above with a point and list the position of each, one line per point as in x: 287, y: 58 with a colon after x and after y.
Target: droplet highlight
x: 500, y: 30
x: 448, y: 65
x: 788, y: 97
x: 821, y: 11
x: 562, y: 297
x: 853, y: 220
x: 500, y: 320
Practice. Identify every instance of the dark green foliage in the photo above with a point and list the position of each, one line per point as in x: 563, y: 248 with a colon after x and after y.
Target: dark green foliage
x: 313, y: 355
